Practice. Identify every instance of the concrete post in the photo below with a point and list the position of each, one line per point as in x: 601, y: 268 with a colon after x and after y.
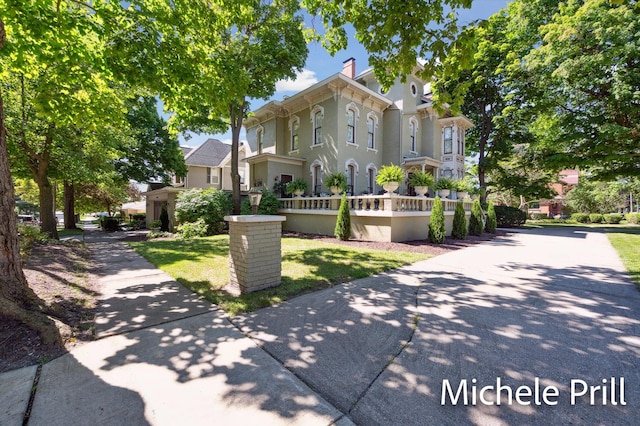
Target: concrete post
x: 255, y: 252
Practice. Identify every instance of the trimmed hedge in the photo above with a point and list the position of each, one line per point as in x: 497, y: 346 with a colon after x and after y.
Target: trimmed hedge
x: 539, y: 216
x: 508, y: 217
x: 613, y: 218
x: 633, y: 217
x: 580, y: 217
x: 342, y: 230
x: 269, y: 204
x: 596, y: 218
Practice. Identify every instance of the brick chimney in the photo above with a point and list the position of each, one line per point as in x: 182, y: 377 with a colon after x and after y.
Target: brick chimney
x: 349, y: 68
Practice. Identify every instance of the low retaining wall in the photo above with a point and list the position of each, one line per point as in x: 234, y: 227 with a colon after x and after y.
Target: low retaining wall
x: 383, y: 226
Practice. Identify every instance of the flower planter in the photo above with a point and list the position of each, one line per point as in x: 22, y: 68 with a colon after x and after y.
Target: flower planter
x: 390, y: 186
x: 335, y: 190
x: 461, y: 195
x: 298, y: 192
x: 444, y: 193
x: 421, y: 190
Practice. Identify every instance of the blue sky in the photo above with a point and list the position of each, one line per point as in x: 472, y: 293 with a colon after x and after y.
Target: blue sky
x: 321, y: 65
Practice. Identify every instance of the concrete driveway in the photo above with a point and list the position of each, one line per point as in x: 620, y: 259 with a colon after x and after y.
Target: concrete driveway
x: 549, y: 316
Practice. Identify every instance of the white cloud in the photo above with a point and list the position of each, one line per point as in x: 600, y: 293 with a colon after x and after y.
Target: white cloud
x: 304, y: 79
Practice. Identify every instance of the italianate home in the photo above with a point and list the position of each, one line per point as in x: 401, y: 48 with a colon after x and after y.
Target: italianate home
x: 347, y: 123
x: 209, y: 166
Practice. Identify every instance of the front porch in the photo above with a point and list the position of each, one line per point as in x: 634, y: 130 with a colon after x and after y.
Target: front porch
x: 385, y: 218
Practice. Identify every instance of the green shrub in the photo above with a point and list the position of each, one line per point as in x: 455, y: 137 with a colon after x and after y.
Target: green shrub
x: 437, y: 231
x: 459, y: 230
x: 193, y: 229
x: 476, y: 225
x: 210, y: 205
x: 595, y: 218
x: 580, y: 217
x: 343, y: 223
x: 269, y: 204
x: 28, y: 236
x: 508, y: 217
x: 492, y: 221
x: 139, y: 216
x: 539, y: 216
x: 613, y: 218
x: 154, y: 224
x: 109, y: 224
x: 633, y: 217
x: 159, y: 234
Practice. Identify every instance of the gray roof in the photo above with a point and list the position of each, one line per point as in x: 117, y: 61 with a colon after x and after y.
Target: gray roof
x: 186, y: 150
x: 209, y: 154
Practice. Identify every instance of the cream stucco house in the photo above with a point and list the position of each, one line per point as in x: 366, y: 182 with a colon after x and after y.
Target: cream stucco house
x: 347, y: 123
x: 209, y: 166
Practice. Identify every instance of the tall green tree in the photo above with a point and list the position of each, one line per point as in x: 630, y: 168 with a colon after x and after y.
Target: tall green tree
x: 396, y: 34
x: 588, y: 63
x: 211, y: 58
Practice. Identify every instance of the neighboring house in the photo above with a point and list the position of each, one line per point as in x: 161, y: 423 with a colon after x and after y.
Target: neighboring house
x: 567, y: 180
x: 347, y: 123
x: 208, y: 166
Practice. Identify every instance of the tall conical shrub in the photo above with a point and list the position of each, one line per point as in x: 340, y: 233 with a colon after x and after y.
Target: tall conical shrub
x: 164, y: 219
x: 459, y: 231
x: 492, y: 220
x: 343, y: 224
x: 437, y: 231
x: 475, y: 221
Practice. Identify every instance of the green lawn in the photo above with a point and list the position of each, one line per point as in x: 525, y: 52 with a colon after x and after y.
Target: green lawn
x: 202, y: 265
x: 626, y: 241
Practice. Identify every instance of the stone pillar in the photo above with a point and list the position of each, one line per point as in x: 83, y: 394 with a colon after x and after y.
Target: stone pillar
x: 255, y: 254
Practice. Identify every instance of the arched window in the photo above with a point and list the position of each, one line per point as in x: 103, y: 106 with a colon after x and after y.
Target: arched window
x: 259, y: 138
x: 294, y: 126
x: 372, y: 123
x: 351, y: 126
x: 372, y: 171
x: 352, y: 171
x: 317, y: 115
x: 316, y: 169
x: 413, y: 134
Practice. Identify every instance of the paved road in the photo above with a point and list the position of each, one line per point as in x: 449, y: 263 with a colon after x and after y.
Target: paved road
x: 538, y: 307
x: 533, y: 310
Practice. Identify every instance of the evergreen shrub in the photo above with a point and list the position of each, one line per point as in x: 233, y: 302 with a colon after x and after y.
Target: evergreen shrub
x: 437, y: 230
x: 459, y: 230
x: 492, y: 220
x: 343, y: 223
x: 476, y: 225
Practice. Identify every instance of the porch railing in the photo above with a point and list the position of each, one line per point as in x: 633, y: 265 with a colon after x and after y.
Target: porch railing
x: 394, y: 203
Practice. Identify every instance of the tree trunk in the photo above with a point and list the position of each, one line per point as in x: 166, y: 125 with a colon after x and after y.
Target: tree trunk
x: 47, y: 204
x: 69, y: 205
x: 236, y: 115
x: 16, y: 298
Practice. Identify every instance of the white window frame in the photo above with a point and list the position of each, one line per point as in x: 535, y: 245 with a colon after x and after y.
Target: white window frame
x: 413, y: 135
x: 371, y: 132
x: 294, y: 142
x: 444, y: 140
x: 317, y: 114
x: 259, y: 139
x: 352, y: 108
x: 316, y: 170
x: 372, y: 173
x: 211, y: 175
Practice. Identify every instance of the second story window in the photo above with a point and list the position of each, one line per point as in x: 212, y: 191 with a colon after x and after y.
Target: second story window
x: 448, y: 140
x: 295, y: 126
x: 259, y: 138
x: 413, y: 134
x: 460, y: 141
x: 351, y: 126
x: 317, y: 128
x: 370, y: 133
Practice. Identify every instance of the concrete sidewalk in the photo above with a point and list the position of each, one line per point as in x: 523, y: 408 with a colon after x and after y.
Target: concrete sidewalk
x: 534, y: 309
x: 164, y: 357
